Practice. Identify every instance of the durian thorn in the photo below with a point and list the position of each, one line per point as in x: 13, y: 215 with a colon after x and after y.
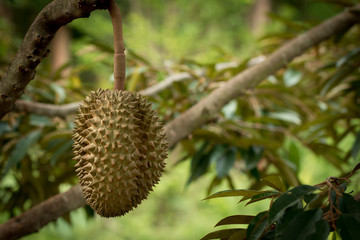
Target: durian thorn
x: 119, y: 55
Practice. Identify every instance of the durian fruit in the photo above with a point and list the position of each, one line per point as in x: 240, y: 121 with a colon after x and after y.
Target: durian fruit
x: 120, y: 148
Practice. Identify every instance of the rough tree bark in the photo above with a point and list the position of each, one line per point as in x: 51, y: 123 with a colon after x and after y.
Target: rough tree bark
x: 199, y: 114
x: 34, y: 46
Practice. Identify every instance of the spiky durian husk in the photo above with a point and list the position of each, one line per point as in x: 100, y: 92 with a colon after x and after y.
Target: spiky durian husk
x: 120, y: 148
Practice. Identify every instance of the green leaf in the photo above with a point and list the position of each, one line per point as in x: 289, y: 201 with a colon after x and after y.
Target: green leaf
x: 349, y: 226
x: 252, y: 156
x: 64, y: 147
x: 294, y: 154
x: 356, y: 147
x: 223, y: 234
x: 275, y: 182
x: 4, y: 128
x: 350, y: 204
x: 302, y: 225
x: 229, y: 110
x: 262, y: 196
x: 59, y: 92
x: 291, y: 77
x: 310, y: 198
x: 226, y: 162
x: 199, y: 163
x: 21, y: 149
x: 257, y: 226
x: 287, y: 116
x: 234, y: 193
x: 235, y: 219
x: 282, y: 224
x: 240, y: 235
x: 288, y: 199
x: 322, y: 231
x: 40, y: 121
x: 257, y: 193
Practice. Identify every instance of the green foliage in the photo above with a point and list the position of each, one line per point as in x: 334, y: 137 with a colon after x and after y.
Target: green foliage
x: 292, y: 214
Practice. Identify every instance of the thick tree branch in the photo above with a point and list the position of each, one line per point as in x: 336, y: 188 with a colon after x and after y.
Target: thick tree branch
x: 200, y: 113
x: 40, y: 215
x: 34, y: 46
x: 196, y: 116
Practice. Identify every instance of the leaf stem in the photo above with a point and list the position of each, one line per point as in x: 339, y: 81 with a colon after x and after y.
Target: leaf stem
x: 119, y: 55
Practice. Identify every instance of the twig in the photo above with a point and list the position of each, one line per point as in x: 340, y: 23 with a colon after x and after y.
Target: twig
x: 119, y: 55
x: 50, y: 110
x: 53, y: 110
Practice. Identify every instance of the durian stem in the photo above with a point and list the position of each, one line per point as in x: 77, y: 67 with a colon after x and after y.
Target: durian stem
x: 119, y: 55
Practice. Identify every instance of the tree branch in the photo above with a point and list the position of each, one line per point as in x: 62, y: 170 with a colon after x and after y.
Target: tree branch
x: 203, y: 111
x: 34, y: 46
x: 34, y: 219
x: 52, y: 110
x: 196, y: 116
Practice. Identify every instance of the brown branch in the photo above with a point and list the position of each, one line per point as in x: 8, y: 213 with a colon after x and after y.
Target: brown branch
x: 200, y: 113
x: 180, y: 127
x: 34, y: 46
x: 33, y: 220
x: 119, y: 55
x: 52, y: 110
x: 45, y: 109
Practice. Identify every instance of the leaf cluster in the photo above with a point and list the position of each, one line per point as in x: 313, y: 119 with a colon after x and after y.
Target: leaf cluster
x: 303, y: 212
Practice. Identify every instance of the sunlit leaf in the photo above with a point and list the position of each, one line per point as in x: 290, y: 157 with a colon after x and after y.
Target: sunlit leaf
x: 287, y: 116
x: 263, y: 196
x: 288, y: 199
x: 60, y: 93
x: 235, y: 219
x: 234, y: 193
x: 275, y: 182
x: 240, y: 235
x: 291, y: 77
x: 223, y: 234
x: 229, y: 109
x: 294, y: 154
x: 257, y: 193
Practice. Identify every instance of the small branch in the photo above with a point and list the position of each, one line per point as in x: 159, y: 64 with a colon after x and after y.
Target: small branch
x: 52, y: 110
x: 119, y: 55
x: 34, y: 46
x: 166, y: 83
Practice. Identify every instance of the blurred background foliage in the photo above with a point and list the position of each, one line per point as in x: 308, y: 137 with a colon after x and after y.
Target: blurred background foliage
x: 302, y: 123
